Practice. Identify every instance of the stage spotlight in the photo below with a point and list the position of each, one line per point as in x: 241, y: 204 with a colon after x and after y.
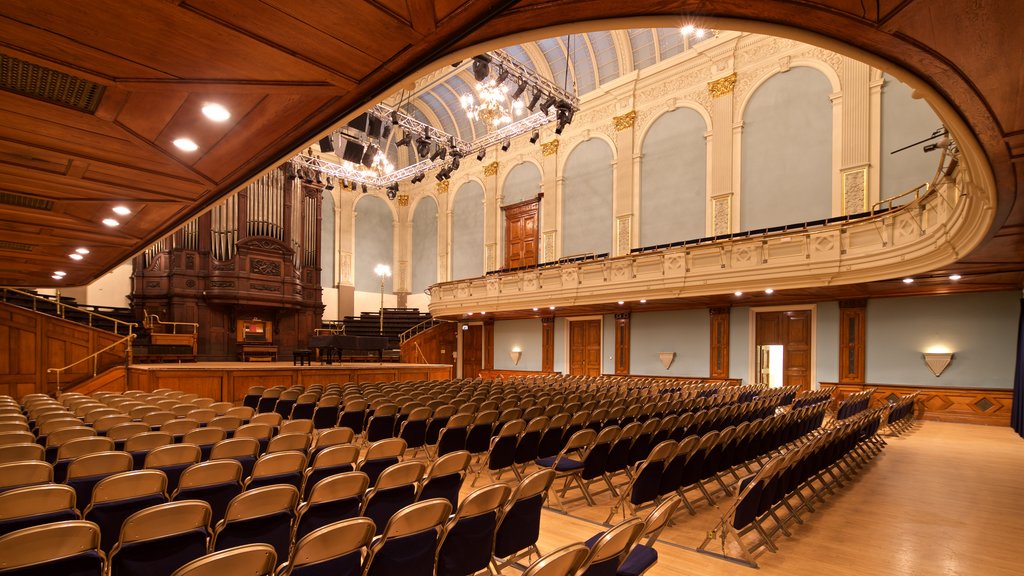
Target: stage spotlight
x: 354, y: 185
x: 329, y: 185
x: 423, y: 146
x: 480, y: 155
x: 326, y: 145
x: 534, y: 137
x: 519, y: 91
x: 364, y: 189
x: 547, y: 104
x: 394, y: 117
x: 439, y: 153
x: 481, y: 67
x: 455, y: 164
x: 502, y: 75
x: 564, y: 114
x: 533, y: 101
x: 405, y: 139
x: 505, y: 145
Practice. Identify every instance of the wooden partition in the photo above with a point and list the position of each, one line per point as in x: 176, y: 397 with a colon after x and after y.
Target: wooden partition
x: 990, y: 406
x: 434, y: 346
x: 31, y: 343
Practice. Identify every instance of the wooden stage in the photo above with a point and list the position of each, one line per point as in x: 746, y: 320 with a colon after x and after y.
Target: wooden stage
x: 230, y: 380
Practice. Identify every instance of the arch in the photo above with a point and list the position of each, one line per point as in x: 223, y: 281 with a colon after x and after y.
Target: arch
x: 467, y: 231
x: 673, y: 178
x: 797, y: 62
x: 521, y: 182
x: 687, y: 104
x: 587, y: 189
x: 424, y: 244
x: 786, y: 157
x: 571, y: 147
x: 374, y: 241
x: 328, y: 277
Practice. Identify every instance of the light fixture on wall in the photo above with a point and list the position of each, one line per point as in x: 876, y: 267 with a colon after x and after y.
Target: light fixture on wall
x: 516, y: 354
x: 937, y: 358
x: 666, y: 358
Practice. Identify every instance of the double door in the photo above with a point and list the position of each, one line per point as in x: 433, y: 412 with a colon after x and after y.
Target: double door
x: 783, y: 344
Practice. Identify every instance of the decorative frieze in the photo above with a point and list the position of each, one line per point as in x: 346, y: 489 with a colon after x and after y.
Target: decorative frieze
x: 549, y: 148
x: 722, y: 86
x: 442, y: 187
x: 721, y: 214
x: 492, y: 168
x: 623, y: 234
x: 855, y: 190
x: 624, y: 121
x: 403, y: 200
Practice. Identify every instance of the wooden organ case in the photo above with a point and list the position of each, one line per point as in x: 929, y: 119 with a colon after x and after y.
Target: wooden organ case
x: 254, y: 257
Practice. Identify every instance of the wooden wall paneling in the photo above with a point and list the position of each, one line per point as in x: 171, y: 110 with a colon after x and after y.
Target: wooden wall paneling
x: 522, y: 233
x: 852, y: 349
x: 719, y: 343
x: 514, y: 373
x: 547, y: 361
x: 434, y: 346
x: 622, y: 343
x: 488, y: 363
x: 989, y: 406
x: 472, y: 350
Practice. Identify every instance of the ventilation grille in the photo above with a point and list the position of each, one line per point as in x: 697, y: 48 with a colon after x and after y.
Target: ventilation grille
x: 22, y: 201
x: 5, y: 245
x: 49, y: 85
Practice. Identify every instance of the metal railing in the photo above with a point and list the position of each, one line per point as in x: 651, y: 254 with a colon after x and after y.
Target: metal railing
x: 421, y: 327
x: 126, y: 342
x: 889, y: 203
x: 52, y: 306
x: 150, y: 321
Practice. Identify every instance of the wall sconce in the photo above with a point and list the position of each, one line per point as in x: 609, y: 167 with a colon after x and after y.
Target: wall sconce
x: 937, y: 361
x: 666, y: 358
x: 516, y: 354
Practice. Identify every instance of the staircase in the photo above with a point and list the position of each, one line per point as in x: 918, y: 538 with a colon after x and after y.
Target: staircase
x: 396, y: 321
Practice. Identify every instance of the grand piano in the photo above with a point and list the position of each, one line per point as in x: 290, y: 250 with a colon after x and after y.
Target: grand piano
x: 329, y: 344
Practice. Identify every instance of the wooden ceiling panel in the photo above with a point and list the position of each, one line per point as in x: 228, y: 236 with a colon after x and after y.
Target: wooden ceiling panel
x: 361, y: 25
x: 445, y: 8
x: 147, y: 113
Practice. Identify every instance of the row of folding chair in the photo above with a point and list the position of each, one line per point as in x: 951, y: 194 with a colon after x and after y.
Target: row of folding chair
x: 680, y: 467
x: 854, y: 404
x: 790, y: 483
x: 900, y: 417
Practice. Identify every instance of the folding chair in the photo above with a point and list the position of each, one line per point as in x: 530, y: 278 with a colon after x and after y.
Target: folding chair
x: 409, y: 543
x: 610, y: 549
x: 251, y: 560
x: 296, y: 426
x: 204, y: 438
x: 172, y: 460
x: 86, y: 471
x: 396, y: 488
x: 264, y: 514
x: 120, y: 495
x: 445, y: 476
x: 565, y: 561
x: 330, y: 437
x: 242, y: 450
x: 643, y: 488
x: 452, y: 438
x: 380, y: 455
x: 215, y: 482
x: 468, y: 544
x: 70, y: 547
x: 160, y: 539
x: 336, y: 549
x: 277, y: 468
x: 141, y: 444
x: 328, y: 462
x: 78, y: 447
x: 36, y: 505
x: 519, y: 525
x: 334, y: 498
x: 569, y: 468
x: 23, y: 452
x: 501, y: 455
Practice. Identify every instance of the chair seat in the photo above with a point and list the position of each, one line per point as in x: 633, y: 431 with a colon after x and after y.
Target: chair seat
x: 640, y: 559
x: 89, y: 563
x: 160, y: 556
x: 564, y: 465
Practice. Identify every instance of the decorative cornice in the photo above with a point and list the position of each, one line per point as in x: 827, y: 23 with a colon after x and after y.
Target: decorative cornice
x: 549, y: 148
x: 491, y: 169
x: 442, y: 187
x: 624, y: 121
x: 722, y: 86
x: 403, y: 200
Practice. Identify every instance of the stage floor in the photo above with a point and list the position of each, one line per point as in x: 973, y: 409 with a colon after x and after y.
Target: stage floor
x: 230, y: 380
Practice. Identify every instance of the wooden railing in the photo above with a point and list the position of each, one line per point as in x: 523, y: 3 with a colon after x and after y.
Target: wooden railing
x: 52, y: 306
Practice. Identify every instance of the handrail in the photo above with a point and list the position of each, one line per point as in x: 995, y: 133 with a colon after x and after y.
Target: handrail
x: 328, y: 331
x: 61, y: 308
x: 95, y: 357
x: 421, y: 327
x: 148, y: 322
x: 889, y: 201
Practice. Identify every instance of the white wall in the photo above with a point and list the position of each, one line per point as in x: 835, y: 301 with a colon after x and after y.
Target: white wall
x: 685, y: 332
x: 523, y: 334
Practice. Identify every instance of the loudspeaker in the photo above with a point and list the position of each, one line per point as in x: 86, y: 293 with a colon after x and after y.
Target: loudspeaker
x: 353, y: 152
x: 326, y: 145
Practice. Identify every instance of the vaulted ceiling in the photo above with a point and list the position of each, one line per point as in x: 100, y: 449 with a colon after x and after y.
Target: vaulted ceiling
x: 92, y: 94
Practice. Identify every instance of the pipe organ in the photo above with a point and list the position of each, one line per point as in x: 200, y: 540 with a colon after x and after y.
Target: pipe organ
x: 253, y: 256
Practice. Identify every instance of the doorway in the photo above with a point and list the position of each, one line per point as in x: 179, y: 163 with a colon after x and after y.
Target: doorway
x: 585, y: 347
x: 472, y: 350
x: 522, y: 233
x: 783, y: 347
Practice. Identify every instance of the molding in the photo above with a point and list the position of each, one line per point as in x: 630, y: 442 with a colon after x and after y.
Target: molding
x: 403, y: 200
x: 491, y: 169
x: 624, y: 121
x: 855, y: 190
x: 723, y: 86
x: 549, y: 148
x: 442, y: 187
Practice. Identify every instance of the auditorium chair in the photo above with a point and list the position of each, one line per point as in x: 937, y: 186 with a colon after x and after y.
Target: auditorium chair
x: 68, y: 548
x: 120, y: 495
x: 469, y: 534
x: 36, y: 505
x: 564, y: 561
x: 336, y: 549
x: 396, y: 488
x: 158, y: 540
x: 643, y: 487
x: 408, y: 544
x: 444, y: 477
x: 609, y: 550
x: 261, y: 515
x: 250, y: 559
x: 21, y: 452
x: 334, y: 498
x: 215, y: 482
x: 172, y: 460
x: 277, y: 468
x: 519, y: 525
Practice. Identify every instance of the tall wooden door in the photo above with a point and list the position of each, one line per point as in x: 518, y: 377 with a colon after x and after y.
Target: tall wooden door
x: 522, y: 233
x: 585, y: 347
x: 472, y: 350
x: 792, y: 330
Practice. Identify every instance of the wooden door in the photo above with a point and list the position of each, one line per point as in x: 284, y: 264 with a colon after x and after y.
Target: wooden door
x: 792, y: 330
x: 585, y: 347
x: 522, y: 233
x: 472, y: 350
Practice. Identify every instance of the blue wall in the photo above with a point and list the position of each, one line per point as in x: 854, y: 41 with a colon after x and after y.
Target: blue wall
x: 424, y: 244
x: 673, y: 177
x: 587, y: 199
x: 905, y: 120
x: 468, y: 231
x: 374, y: 242
x: 685, y: 332
x: 527, y: 335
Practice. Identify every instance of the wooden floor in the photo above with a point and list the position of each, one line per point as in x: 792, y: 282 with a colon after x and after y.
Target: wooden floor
x: 943, y: 499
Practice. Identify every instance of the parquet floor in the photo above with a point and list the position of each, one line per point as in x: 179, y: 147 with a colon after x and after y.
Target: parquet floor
x: 942, y: 500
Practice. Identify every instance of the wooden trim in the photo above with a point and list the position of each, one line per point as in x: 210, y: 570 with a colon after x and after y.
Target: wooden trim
x: 719, y: 343
x: 988, y: 406
x: 622, y: 343
x: 702, y: 379
x: 488, y: 363
x: 511, y: 373
x: 852, y: 348
x: 547, y: 362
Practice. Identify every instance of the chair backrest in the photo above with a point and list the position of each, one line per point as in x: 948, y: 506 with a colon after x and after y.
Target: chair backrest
x: 413, y: 519
x: 272, y: 418
x: 37, y: 500
x: 58, y: 437
x: 610, y: 550
x: 7, y: 438
x: 289, y: 441
x: 126, y: 430
x: 128, y: 485
x: 332, y: 437
x: 400, y: 474
x: 278, y: 463
x: 98, y: 464
x: 172, y: 455
x: 387, y: 448
x: 300, y: 426
x: 33, y: 548
x: 659, y: 517
x: 255, y: 430
x: 450, y: 464
x: 102, y: 425
x: 225, y: 422
x: 82, y: 446
x: 204, y: 436
x: 251, y: 560
x: 341, y: 542
x: 147, y: 441
x: 165, y: 520
x: 262, y: 502
x: 158, y: 418
x: 179, y: 427
x: 235, y: 448
x: 344, y: 485
x: 21, y: 452
x: 246, y: 413
x: 565, y: 561
x: 210, y: 473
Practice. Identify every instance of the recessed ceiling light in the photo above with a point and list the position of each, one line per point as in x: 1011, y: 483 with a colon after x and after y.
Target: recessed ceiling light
x: 908, y: 280
x: 769, y: 290
x: 82, y: 251
x: 551, y: 307
x: 469, y: 313
x: 699, y: 33
x: 122, y: 210
x: 60, y: 273
x: 621, y: 302
x: 954, y: 277
x: 688, y: 29
x: 57, y: 277
x: 738, y: 293
x: 483, y: 313
x: 186, y: 144
x: 216, y: 112
x: 643, y: 301
x: 74, y: 256
x: 111, y: 222
x: 535, y: 309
